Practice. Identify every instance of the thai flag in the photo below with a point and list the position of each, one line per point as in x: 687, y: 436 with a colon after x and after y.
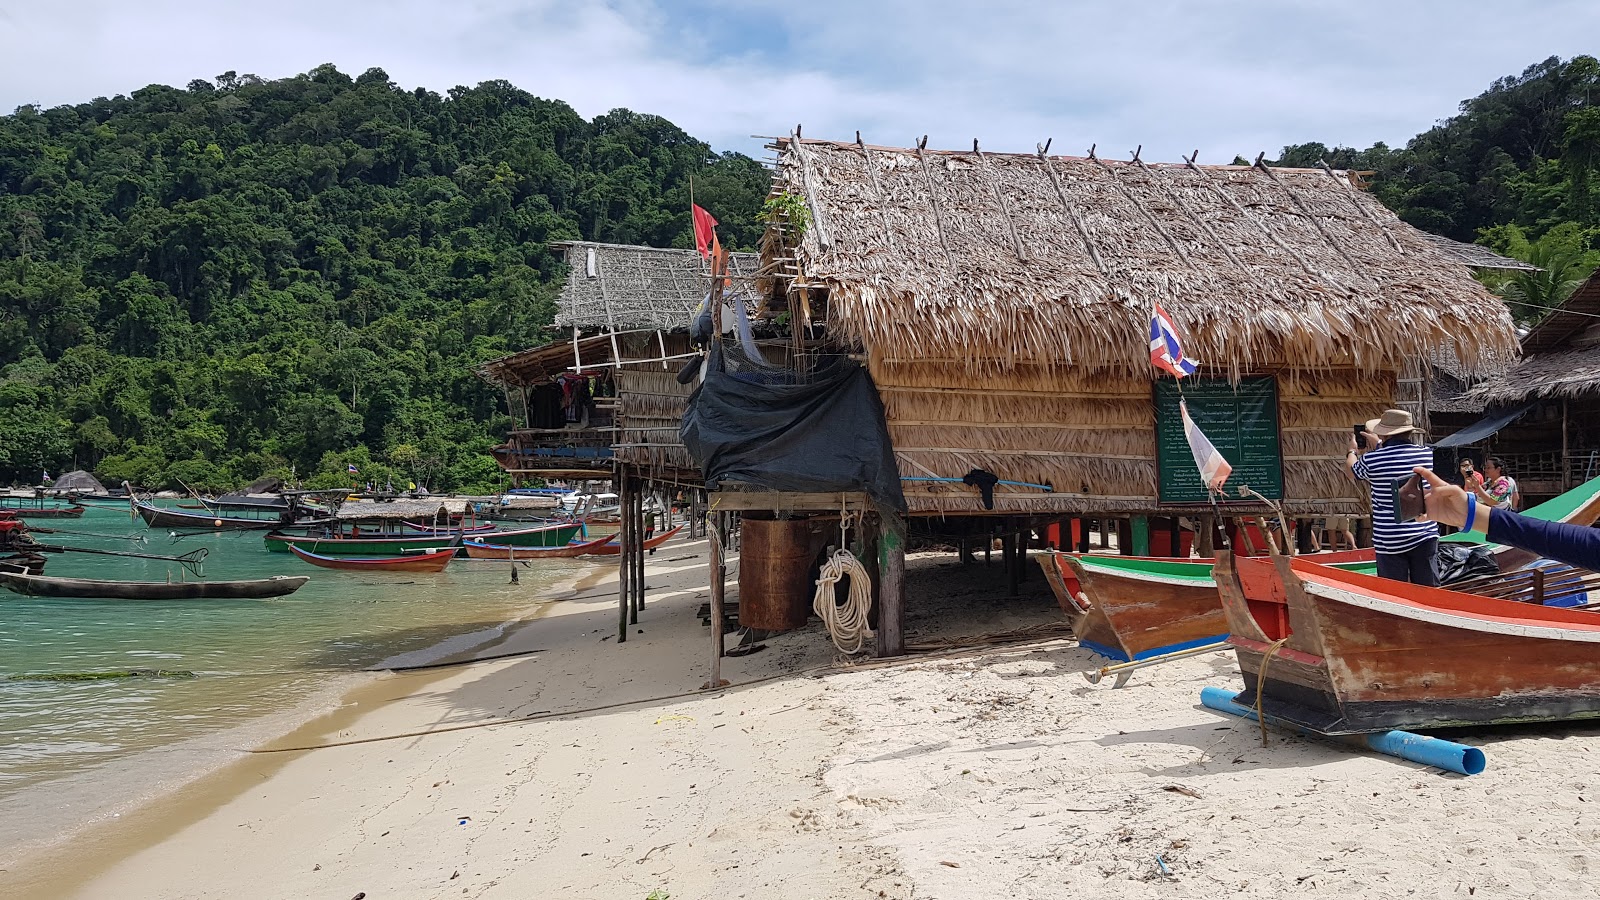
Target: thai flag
x: 351, y: 468
x: 1166, y: 352
x: 1214, y: 470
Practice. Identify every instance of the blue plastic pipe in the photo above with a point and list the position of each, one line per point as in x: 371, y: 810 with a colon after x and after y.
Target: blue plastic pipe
x: 1447, y: 755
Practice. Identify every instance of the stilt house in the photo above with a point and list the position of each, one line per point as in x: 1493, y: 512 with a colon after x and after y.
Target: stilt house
x: 628, y: 311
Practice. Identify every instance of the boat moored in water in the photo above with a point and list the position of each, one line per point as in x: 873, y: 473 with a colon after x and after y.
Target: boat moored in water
x: 430, y: 561
x: 94, y: 589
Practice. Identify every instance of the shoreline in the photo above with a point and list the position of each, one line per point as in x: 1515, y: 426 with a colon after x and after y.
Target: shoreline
x: 190, y: 765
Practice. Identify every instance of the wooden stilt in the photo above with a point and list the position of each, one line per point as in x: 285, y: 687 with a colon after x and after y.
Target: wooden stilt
x: 719, y: 572
x: 637, y: 569
x: 1008, y: 556
x: 624, y: 581
x: 1105, y: 532
x: 1141, y: 535
x: 892, y: 596
x: 1083, y: 535
x: 1205, y: 537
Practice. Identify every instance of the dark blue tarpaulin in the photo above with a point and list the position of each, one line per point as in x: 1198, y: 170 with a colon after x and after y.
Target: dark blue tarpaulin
x: 1490, y: 424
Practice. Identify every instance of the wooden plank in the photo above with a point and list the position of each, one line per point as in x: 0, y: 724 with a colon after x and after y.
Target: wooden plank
x: 739, y: 501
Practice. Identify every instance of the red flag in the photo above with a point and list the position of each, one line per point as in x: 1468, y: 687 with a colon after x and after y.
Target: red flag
x: 705, y: 234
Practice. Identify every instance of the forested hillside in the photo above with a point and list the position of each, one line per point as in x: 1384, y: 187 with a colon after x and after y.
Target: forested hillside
x: 1518, y: 169
x: 246, y: 276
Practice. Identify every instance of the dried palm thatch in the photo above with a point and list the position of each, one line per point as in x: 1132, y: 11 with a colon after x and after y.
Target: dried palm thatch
x: 1567, y: 373
x: 617, y: 287
x: 986, y: 262
x: 1477, y: 257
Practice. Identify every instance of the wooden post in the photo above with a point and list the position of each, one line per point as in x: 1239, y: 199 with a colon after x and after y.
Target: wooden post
x: 1566, y: 464
x: 1205, y: 539
x: 718, y: 572
x: 638, y: 554
x: 1008, y: 561
x: 1538, y: 586
x: 624, y: 577
x: 1141, y: 535
x: 964, y: 550
x: 1105, y: 532
x: 892, y: 600
x: 1082, y: 531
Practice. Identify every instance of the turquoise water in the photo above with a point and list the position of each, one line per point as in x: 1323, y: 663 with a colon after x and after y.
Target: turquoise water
x: 251, y: 657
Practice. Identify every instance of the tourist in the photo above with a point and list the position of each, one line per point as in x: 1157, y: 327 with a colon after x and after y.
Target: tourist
x: 1575, y: 545
x: 1498, y: 489
x: 1406, y: 551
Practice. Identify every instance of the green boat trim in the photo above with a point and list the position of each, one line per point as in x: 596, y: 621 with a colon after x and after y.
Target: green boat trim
x: 279, y: 543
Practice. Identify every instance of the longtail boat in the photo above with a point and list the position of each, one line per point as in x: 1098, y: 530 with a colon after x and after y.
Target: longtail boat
x: 480, y: 550
x: 424, y: 528
x: 88, y: 588
x: 1345, y: 653
x: 432, y: 561
x: 613, y: 546
x: 371, y: 546
x: 1132, y: 608
x: 37, y: 508
x: 557, y: 535
x: 162, y: 517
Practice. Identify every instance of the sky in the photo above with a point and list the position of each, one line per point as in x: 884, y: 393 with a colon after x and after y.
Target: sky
x: 1223, y: 77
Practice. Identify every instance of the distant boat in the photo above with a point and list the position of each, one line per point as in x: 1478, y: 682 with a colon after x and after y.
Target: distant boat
x: 372, y: 546
x: 161, y: 517
x: 450, y: 529
x: 432, y: 561
x: 613, y: 547
x: 88, y: 588
x: 32, y: 506
x: 477, y: 549
x: 557, y: 535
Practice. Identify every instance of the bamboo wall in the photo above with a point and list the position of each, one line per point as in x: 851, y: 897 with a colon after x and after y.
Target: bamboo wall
x: 650, y: 406
x: 1092, y: 437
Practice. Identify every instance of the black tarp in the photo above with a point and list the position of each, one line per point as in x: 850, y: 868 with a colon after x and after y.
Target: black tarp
x: 1482, y: 429
x: 823, y: 433
x: 1458, y: 562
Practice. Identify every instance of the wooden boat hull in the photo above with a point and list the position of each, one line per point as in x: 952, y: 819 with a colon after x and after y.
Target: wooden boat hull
x: 1131, y: 608
x: 156, y: 517
x: 87, y: 588
x: 372, y: 547
x: 417, y: 562
x: 613, y: 546
x: 46, y: 512
x: 480, y: 550
x: 1364, y: 654
x: 449, y: 530
x: 558, y: 535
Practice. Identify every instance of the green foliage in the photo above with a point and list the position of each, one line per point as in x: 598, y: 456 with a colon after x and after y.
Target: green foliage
x: 789, y: 210
x: 251, y: 277
x: 1517, y: 170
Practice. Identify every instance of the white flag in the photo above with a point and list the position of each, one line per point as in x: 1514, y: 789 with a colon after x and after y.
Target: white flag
x: 1214, y: 470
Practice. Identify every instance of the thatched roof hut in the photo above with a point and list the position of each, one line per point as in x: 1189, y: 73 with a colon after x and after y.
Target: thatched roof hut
x: 1560, y: 355
x: 1002, y: 303
x: 630, y: 310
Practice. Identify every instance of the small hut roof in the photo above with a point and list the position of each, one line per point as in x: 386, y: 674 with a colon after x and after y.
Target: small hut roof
x: 984, y: 261
x: 1475, y: 255
x: 1561, y: 355
x: 638, y: 287
x: 1565, y: 373
x: 1578, y: 314
x: 538, y: 365
x: 78, y: 481
x: 414, y: 510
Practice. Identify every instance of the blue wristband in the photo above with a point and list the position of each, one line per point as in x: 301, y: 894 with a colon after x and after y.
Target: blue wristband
x: 1472, y: 511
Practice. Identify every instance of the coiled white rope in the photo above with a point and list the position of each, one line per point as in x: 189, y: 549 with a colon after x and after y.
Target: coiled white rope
x: 846, y: 622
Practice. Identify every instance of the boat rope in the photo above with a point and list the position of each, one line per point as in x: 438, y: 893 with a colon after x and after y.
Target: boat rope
x: 1261, y: 683
x: 846, y: 622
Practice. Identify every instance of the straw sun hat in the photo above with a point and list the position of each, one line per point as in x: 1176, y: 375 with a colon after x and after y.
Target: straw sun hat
x: 1391, y: 423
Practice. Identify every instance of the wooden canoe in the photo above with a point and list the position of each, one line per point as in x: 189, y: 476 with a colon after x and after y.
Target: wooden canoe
x: 254, y: 589
x: 481, y: 550
x: 1364, y: 654
x: 1129, y: 608
x: 158, y: 517
x: 72, y: 511
x: 370, y: 547
x: 428, y: 561
x: 613, y: 545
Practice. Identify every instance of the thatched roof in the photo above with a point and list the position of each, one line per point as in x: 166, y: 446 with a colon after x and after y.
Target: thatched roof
x: 1476, y: 256
x: 1561, y: 355
x: 78, y: 481
x: 537, y: 365
x: 986, y: 260
x: 1576, y: 318
x: 413, y: 510
x: 617, y: 287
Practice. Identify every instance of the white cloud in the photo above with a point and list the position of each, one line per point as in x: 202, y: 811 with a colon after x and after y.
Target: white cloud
x: 1225, y: 76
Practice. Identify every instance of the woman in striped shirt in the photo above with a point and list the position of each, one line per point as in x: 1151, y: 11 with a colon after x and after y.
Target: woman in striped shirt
x: 1406, y: 551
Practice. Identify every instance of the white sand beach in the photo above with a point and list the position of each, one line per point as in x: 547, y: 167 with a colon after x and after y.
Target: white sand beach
x: 974, y: 774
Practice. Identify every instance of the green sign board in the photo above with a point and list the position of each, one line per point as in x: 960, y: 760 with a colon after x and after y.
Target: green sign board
x: 1241, y: 421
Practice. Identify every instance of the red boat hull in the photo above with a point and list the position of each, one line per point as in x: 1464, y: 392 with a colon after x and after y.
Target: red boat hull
x: 418, y: 562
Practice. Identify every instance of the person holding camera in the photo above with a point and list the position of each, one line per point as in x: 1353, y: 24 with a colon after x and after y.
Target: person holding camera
x: 1388, y: 453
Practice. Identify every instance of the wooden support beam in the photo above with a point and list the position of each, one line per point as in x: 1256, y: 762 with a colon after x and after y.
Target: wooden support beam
x: 719, y: 574
x: 933, y: 200
x: 1072, y: 211
x: 777, y: 501
x: 624, y: 581
x: 892, y: 597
